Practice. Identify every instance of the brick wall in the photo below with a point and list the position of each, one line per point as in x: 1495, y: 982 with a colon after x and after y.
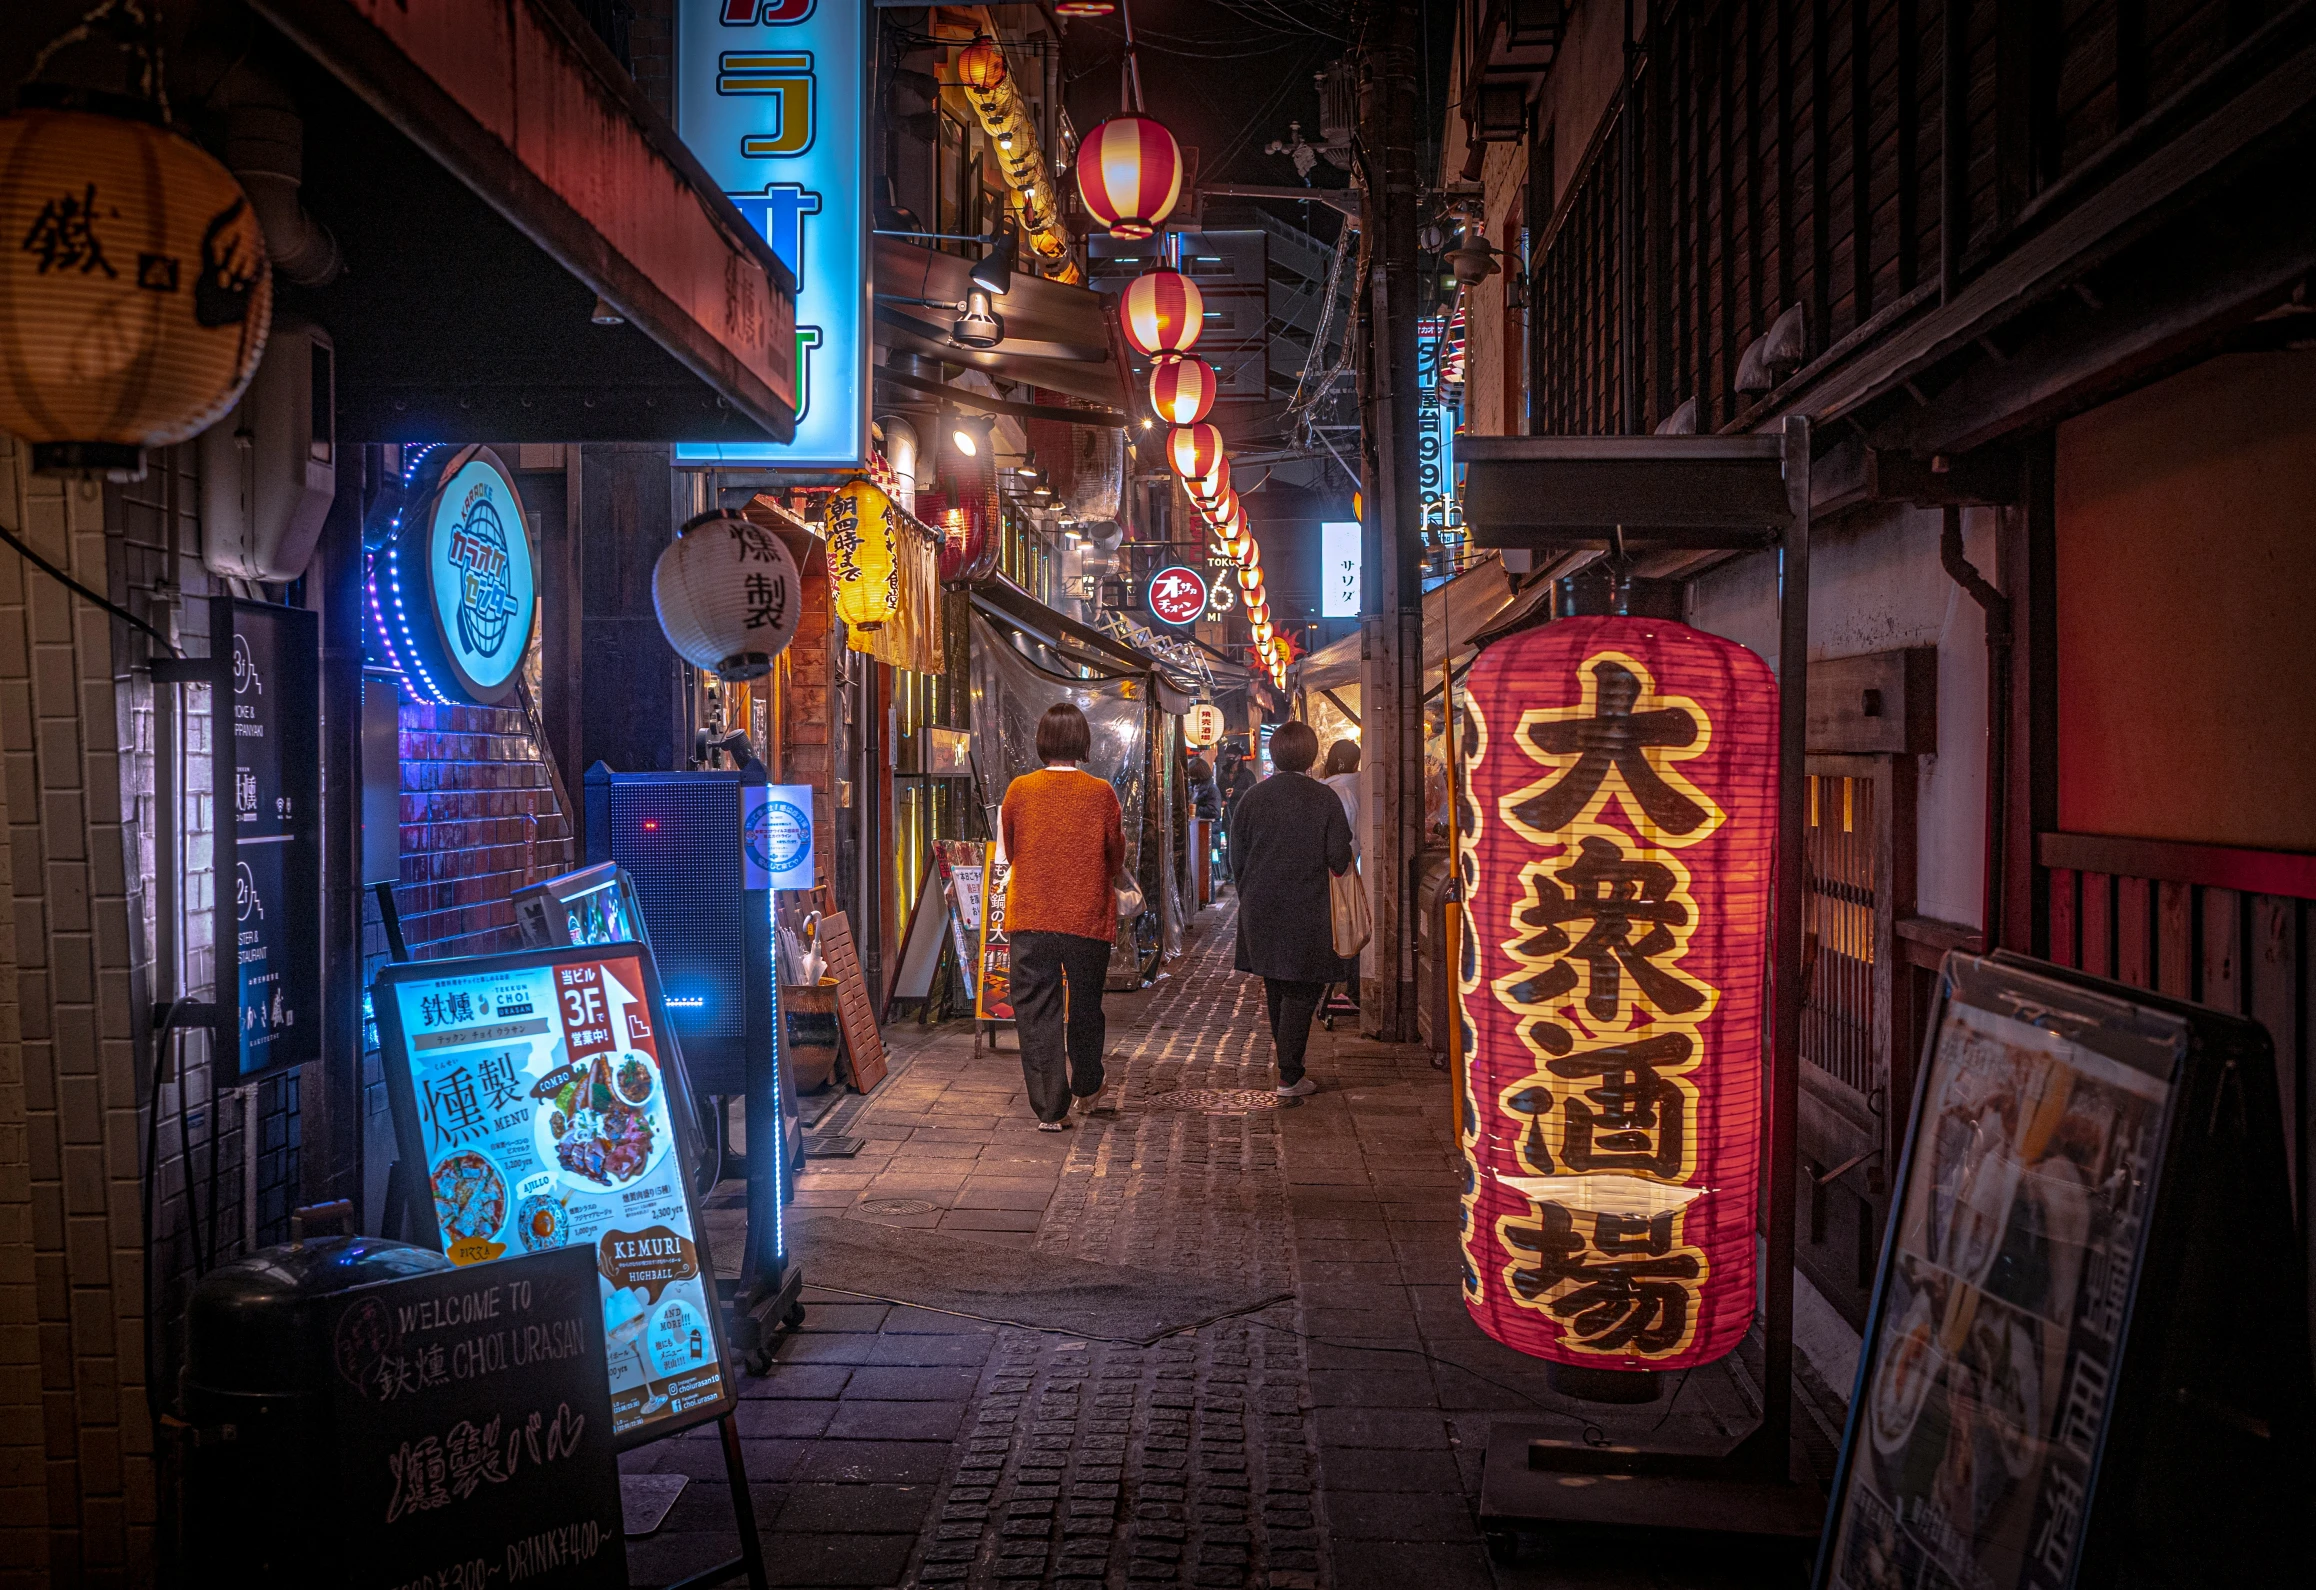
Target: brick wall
x: 480, y: 818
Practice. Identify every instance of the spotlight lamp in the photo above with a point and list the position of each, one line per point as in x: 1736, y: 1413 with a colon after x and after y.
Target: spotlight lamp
x: 969, y: 434
x: 979, y: 326
x: 993, y: 272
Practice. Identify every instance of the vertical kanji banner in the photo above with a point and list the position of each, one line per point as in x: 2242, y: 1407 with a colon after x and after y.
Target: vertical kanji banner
x: 1617, y: 842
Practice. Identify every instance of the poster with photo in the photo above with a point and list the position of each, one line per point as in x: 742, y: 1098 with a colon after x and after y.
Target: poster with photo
x: 2017, y: 1247
x: 993, y: 980
x: 535, y: 1091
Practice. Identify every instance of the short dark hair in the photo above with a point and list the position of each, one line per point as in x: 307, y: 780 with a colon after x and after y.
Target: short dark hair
x: 1062, y: 735
x: 1342, y: 757
x: 1294, y: 747
x: 1199, y: 771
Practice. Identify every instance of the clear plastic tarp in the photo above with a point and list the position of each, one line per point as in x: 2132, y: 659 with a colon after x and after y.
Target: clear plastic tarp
x: 1015, y: 679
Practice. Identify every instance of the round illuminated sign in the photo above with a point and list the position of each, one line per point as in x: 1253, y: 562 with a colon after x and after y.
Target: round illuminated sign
x: 1202, y: 724
x: 779, y: 835
x: 452, y: 597
x: 1178, y: 595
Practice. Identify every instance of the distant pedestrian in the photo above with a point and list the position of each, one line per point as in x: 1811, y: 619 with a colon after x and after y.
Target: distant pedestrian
x: 1341, y: 774
x: 1205, y: 798
x: 1234, y: 775
x: 1289, y: 836
x: 1065, y: 840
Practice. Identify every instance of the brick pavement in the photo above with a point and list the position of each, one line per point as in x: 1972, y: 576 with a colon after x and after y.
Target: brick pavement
x: 1332, y: 1441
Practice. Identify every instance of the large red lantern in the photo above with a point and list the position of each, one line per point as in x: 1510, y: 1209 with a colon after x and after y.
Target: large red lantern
x: 1193, y: 449
x: 1616, y: 831
x: 981, y: 64
x: 1182, y: 390
x: 1161, y: 312
x: 1130, y: 175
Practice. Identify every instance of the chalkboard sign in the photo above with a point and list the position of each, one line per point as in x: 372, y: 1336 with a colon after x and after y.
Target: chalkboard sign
x: 2087, y: 1357
x: 539, y: 1095
x: 472, y: 1429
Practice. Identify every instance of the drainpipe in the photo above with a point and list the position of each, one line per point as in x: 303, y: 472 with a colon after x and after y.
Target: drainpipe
x: 265, y: 151
x: 1998, y: 640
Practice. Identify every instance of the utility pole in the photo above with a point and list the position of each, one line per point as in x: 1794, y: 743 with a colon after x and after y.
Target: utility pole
x: 1391, y: 620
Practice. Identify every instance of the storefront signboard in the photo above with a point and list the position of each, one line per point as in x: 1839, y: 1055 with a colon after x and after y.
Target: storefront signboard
x: 772, y: 98
x: 960, y: 863
x: 1339, y: 569
x: 536, y: 1093
x: 273, y: 705
x: 776, y: 836
x: 452, y: 597
x: 1177, y: 595
x: 993, y: 984
x: 469, y: 1431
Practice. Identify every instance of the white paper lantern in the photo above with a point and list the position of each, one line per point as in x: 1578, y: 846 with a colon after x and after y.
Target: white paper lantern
x: 728, y: 595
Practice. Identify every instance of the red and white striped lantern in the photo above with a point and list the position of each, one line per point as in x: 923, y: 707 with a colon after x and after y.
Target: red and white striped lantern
x: 1617, y: 828
x: 1182, y: 390
x: 1193, y: 449
x: 1210, y: 487
x: 1129, y: 175
x: 1161, y: 312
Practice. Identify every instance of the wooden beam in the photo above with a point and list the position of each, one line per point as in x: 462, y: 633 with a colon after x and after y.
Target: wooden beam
x: 2281, y: 872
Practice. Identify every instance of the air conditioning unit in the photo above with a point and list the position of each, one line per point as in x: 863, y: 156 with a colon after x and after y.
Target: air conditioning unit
x: 269, y: 469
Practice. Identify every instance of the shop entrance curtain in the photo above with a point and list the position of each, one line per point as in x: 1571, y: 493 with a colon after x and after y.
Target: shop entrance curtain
x: 1010, y: 693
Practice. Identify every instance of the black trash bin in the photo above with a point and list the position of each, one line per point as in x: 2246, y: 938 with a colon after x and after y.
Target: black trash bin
x: 257, y: 1461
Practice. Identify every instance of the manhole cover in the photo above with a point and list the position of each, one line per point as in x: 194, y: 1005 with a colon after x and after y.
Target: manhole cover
x: 1216, y: 1101
x: 896, y: 1206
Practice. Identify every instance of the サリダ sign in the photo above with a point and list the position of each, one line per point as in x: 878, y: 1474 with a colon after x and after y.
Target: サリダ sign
x: 452, y: 597
x: 543, y: 1099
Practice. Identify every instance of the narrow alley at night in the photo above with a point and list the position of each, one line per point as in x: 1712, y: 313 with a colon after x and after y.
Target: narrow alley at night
x: 1106, y: 794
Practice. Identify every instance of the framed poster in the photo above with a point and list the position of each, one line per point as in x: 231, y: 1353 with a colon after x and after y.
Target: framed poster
x: 547, y: 1111
x: 2092, y: 1200
x: 993, y: 965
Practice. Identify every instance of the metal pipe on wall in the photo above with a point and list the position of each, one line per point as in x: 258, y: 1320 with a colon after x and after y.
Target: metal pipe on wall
x: 1998, y: 648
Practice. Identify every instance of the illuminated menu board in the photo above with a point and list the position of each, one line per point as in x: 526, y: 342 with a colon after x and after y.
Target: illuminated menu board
x: 537, y: 1094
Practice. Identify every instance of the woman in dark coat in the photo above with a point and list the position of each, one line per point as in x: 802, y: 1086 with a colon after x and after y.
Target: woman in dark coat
x: 1288, y: 835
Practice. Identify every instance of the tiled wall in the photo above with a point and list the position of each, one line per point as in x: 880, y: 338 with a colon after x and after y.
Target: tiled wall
x: 78, y: 1440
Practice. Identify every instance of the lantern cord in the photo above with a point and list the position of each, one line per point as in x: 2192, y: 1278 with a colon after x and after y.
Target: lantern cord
x: 134, y: 29
x: 82, y: 591
x: 1130, y: 64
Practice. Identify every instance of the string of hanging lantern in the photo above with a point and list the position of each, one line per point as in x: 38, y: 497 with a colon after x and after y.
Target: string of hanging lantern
x: 1129, y: 175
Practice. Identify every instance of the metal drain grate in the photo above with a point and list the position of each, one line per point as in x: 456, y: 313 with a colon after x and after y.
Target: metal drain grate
x: 895, y: 1206
x: 1215, y: 1101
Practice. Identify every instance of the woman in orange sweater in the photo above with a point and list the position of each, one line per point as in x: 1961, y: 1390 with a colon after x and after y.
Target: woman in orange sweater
x: 1065, y: 840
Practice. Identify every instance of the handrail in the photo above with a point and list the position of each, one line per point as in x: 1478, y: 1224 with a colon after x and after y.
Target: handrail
x: 2283, y: 872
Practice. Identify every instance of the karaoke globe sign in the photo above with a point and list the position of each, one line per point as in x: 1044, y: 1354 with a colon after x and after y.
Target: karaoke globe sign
x: 1616, y: 834
x: 453, y: 594
x: 1178, y: 595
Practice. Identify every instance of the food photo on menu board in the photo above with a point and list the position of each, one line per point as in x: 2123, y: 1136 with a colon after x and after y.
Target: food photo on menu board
x: 536, y: 1091
x: 1996, y: 1342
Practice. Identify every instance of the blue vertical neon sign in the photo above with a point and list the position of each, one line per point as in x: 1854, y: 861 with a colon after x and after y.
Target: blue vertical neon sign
x: 772, y: 97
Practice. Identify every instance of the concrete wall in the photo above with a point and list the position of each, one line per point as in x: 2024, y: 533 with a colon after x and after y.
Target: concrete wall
x: 2187, y: 684
x: 1876, y: 584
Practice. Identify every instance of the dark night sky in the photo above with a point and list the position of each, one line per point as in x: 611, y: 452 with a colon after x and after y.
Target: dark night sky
x: 1228, y: 76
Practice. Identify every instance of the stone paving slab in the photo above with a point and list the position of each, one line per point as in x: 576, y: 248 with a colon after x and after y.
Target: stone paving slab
x: 1328, y: 1443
